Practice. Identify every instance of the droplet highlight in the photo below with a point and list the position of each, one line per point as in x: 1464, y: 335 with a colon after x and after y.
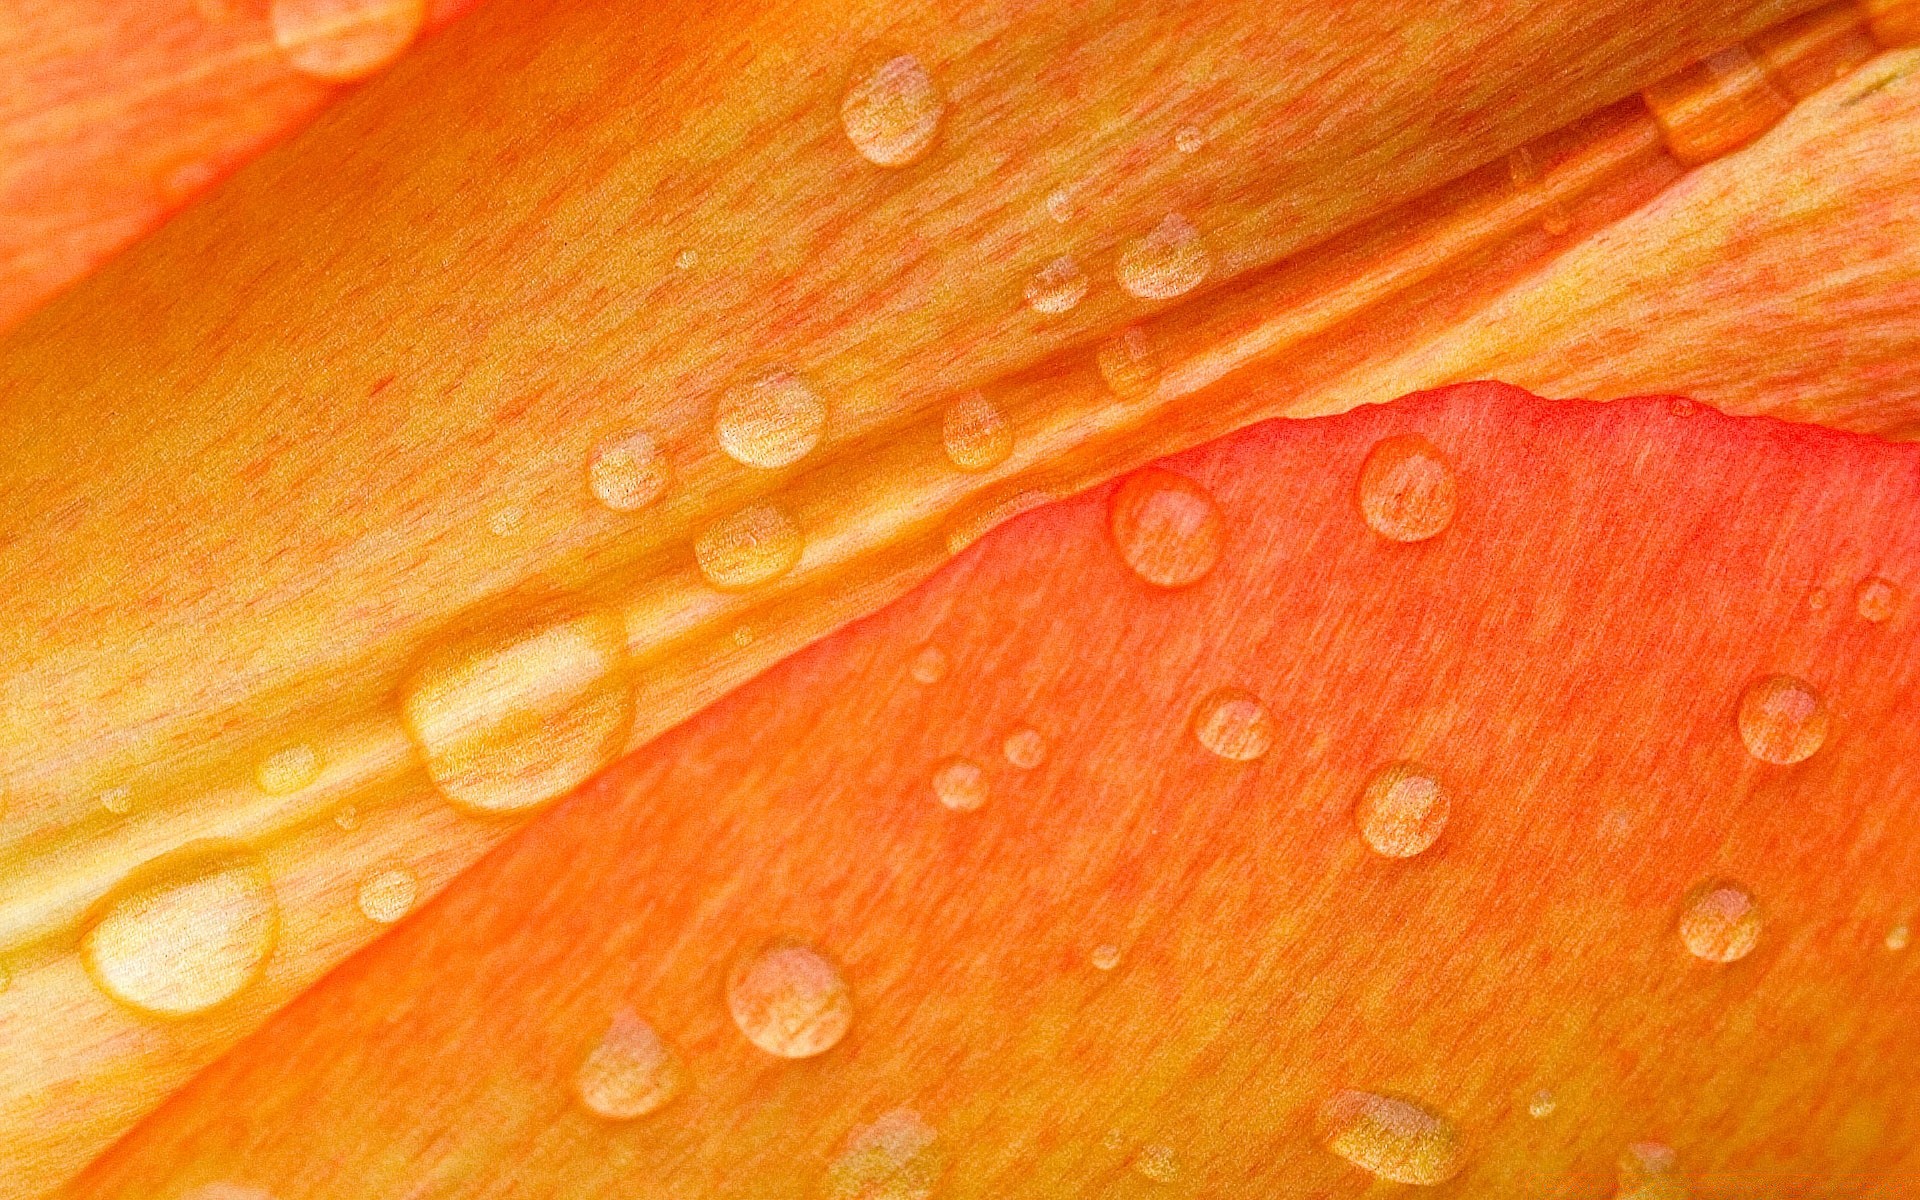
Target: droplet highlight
x: 892, y: 112
x: 895, y: 1158
x: 1169, y: 261
x: 975, y: 433
x: 1105, y: 956
x: 386, y: 896
x: 1782, y: 720
x: 1058, y: 286
x: 929, y: 665
x: 1392, y: 1138
x: 1898, y: 937
x: 629, y: 473
x: 341, y: 40
x: 1060, y: 205
x: 1234, y: 724
x: 773, y: 421
x: 1542, y: 1105
x: 754, y: 545
x: 1157, y: 1162
x: 185, y: 940
x: 287, y: 771
x: 790, y: 1001
x: 1649, y: 1171
x: 1720, y: 922
x: 960, y: 784
x: 117, y: 800
x: 1166, y: 526
x: 1876, y: 599
x: 1407, y: 490
x: 1188, y: 139
x: 1128, y: 363
x: 1403, y: 810
x: 1025, y: 748
x: 630, y: 1073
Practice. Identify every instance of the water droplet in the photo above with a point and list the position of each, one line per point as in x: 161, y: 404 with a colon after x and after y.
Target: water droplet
x: 1188, y: 139
x: 686, y: 260
x: 1649, y: 1171
x: 960, y: 784
x: 286, y: 771
x: 892, y: 112
x: 975, y: 433
x: 790, y: 1001
x: 1025, y: 748
x: 895, y: 1158
x: 1898, y: 937
x: 630, y: 1073
x: 348, y: 818
x: 1720, y: 922
x: 186, y: 939
x: 629, y: 473
x: 1058, y: 286
x: 1169, y: 261
x: 117, y: 800
x: 758, y: 543
x: 345, y: 39
x: 386, y: 896
x: 1542, y: 1105
x: 1392, y: 1138
x: 1403, y: 810
x: 773, y: 421
x: 1128, y: 363
x: 1407, y: 491
x: 929, y: 664
x: 1167, y: 527
x: 1817, y: 599
x: 1106, y: 956
x: 743, y: 636
x: 1060, y: 205
x: 505, y: 722
x: 1157, y: 1162
x: 1234, y: 724
x: 1876, y: 599
x: 1782, y: 720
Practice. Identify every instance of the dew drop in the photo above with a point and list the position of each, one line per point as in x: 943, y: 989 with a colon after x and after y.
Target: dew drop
x: 790, y: 1001
x: 686, y: 260
x: 929, y: 665
x: 386, y: 896
x: 1720, y: 922
x: 1106, y: 956
x: 1876, y: 599
x: 1394, y: 1139
x: 960, y: 784
x: 1060, y: 205
x: 1234, y: 724
x: 630, y: 1073
x: 1898, y: 937
x: 348, y: 818
x: 1167, y: 527
x: 975, y: 433
x: 628, y: 473
x: 743, y: 636
x: 1782, y: 720
x: 1188, y: 139
x: 1169, y: 261
x: 773, y: 421
x: 1649, y: 1171
x: 1025, y: 748
x: 1407, y: 492
x: 1403, y: 810
x: 188, y: 940
x: 895, y: 1158
x: 117, y: 800
x: 286, y: 771
x: 341, y: 40
x: 758, y: 543
x: 506, y: 722
x: 1128, y: 363
x: 1542, y: 1105
x: 1817, y: 599
x: 892, y: 112
x: 1058, y: 286
x: 1158, y: 1163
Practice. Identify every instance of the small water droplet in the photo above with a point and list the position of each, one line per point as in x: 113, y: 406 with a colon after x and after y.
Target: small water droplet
x: 348, y: 818
x: 187, y: 939
x: 773, y: 421
x: 975, y: 433
x: 1876, y: 599
x: 1393, y: 1138
x: 386, y: 896
x: 1167, y: 527
x: 1234, y: 724
x: 286, y: 771
x: 1169, y: 261
x: 1407, y: 492
x: 789, y: 1001
x: 1025, y: 748
x: 630, y: 1073
x: 1782, y: 720
x: 341, y: 40
x: 1106, y: 956
x: 1542, y: 1105
x: 895, y: 1158
x: 1188, y: 139
x: 1898, y: 937
x: 758, y: 543
x: 1403, y: 810
x: 1128, y: 363
x: 743, y: 636
x: 629, y: 473
x: 929, y: 664
x: 1058, y: 286
x: 686, y: 260
x: 892, y: 112
x: 117, y: 800
x: 507, y: 721
x: 1649, y: 1171
x: 1060, y: 205
x: 1720, y: 922
x: 1817, y: 599
x: 960, y: 784
x: 1157, y: 1162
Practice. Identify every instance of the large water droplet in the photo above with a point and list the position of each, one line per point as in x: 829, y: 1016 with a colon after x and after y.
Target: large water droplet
x: 1128, y: 363
x: 628, y: 473
x: 892, y: 112
x: 975, y: 433
x: 929, y: 665
x: 773, y: 421
x: 1025, y: 748
x: 630, y: 1073
x: 1876, y: 599
x: 386, y: 896
x: 1649, y: 1171
x: 758, y: 543
x: 1407, y: 491
x: 895, y: 1158
x: 1392, y: 1138
x: 1167, y: 527
x: 1058, y: 286
x: 1403, y: 810
x: 345, y: 39
x: 504, y: 722
x: 1782, y: 720
x: 187, y: 938
x: 960, y: 784
x: 1169, y: 261
x: 790, y: 1001
x: 287, y: 771
x: 1720, y: 922
x: 1234, y: 724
